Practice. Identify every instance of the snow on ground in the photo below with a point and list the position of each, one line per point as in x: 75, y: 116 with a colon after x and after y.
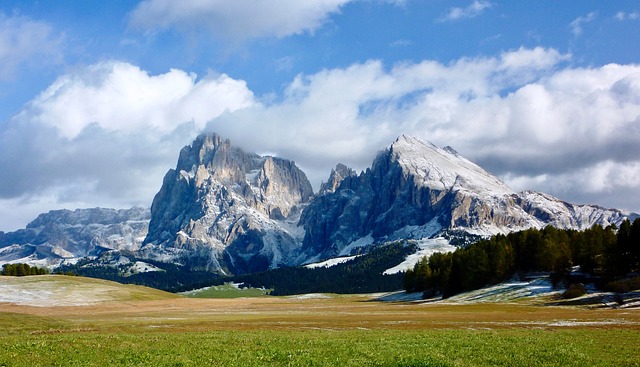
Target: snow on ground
x: 505, y: 292
x: 34, y: 291
x: 331, y: 262
x: 143, y: 267
x: 362, y: 242
x: 400, y: 296
x: 445, y: 169
x: 426, y: 247
x: 310, y: 296
x: 426, y: 230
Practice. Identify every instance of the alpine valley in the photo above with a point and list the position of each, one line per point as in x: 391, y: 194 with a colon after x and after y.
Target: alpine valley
x: 231, y: 212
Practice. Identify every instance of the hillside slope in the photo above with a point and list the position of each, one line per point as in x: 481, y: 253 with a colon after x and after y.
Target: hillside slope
x: 60, y: 290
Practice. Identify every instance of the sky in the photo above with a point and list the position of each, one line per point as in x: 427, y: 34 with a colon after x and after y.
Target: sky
x: 98, y: 97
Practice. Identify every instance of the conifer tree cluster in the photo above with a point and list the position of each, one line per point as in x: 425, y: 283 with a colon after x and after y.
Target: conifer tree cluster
x: 20, y: 270
x: 606, y: 252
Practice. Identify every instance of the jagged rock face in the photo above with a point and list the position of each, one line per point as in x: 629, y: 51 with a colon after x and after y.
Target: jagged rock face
x: 63, y: 235
x: 226, y: 210
x: 336, y: 177
x: 415, y: 189
x: 553, y: 211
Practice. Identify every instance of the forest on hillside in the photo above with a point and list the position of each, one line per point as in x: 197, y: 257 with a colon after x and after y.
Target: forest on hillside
x: 606, y: 254
x: 360, y: 275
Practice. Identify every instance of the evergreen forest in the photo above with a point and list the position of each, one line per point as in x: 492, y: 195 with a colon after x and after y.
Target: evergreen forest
x: 604, y: 255
x: 20, y: 270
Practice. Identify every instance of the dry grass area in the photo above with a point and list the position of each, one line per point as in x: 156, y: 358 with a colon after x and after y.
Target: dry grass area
x: 314, y: 330
x: 339, y: 313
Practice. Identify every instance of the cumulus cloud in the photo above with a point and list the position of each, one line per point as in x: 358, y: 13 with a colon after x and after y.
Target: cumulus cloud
x: 476, y: 8
x: 236, y: 20
x: 105, y: 135
x: 27, y: 41
x: 117, y: 96
x: 573, y: 132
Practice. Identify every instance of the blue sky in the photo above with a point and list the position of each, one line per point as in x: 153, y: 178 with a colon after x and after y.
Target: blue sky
x: 97, y: 98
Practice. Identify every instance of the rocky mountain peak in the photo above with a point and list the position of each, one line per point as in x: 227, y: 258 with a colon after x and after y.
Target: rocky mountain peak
x: 336, y: 177
x: 443, y: 168
x: 228, y: 207
x: 415, y: 189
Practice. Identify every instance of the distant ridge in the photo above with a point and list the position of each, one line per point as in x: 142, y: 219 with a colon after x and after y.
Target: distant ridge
x: 232, y: 212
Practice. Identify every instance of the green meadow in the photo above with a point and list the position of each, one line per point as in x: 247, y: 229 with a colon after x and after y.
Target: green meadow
x: 320, y: 330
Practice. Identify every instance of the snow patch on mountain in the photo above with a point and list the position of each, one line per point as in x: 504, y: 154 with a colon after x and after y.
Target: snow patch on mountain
x: 427, y: 230
x: 331, y: 262
x: 361, y: 242
x: 426, y: 248
x: 444, y: 169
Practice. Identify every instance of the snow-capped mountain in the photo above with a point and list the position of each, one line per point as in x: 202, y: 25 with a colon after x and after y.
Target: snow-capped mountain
x: 64, y: 235
x: 417, y: 190
x: 226, y: 210
x: 229, y: 211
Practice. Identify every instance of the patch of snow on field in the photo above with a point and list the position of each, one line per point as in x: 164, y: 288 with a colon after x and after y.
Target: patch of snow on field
x: 311, y: 296
x: 36, y: 292
x: 505, y: 292
x: 426, y: 247
x: 331, y: 262
x: 573, y: 323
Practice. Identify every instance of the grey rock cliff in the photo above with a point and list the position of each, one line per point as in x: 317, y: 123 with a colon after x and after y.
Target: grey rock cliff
x: 336, y: 177
x: 66, y: 235
x: 415, y: 190
x: 225, y: 210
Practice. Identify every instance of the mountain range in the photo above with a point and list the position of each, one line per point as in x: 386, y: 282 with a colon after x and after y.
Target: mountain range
x: 232, y: 212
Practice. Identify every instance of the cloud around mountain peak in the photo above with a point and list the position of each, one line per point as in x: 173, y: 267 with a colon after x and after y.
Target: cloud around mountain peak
x: 525, y: 115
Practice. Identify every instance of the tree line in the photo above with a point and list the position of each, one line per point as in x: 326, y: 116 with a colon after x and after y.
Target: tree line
x: 21, y: 270
x: 171, y: 278
x: 363, y: 274
x: 609, y: 253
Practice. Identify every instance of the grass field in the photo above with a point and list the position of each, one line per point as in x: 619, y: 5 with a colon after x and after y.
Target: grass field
x: 315, y: 331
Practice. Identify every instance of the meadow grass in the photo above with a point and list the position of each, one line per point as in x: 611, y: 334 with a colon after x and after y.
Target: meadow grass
x: 443, y: 347
x: 323, y: 331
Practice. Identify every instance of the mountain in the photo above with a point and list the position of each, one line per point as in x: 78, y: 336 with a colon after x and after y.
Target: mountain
x: 222, y: 209
x: 65, y: 235
x: 225, y: 210
x: 415, y: 189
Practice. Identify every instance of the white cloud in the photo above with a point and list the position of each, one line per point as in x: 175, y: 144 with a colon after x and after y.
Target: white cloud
x: 118, y: 96
x: 26, y: 41
x: 627, y: 16
x: 106, y: 135
x: 476, y: 8
x: 236, y: 20
x: 520, y: 115
x: 576, y: 24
